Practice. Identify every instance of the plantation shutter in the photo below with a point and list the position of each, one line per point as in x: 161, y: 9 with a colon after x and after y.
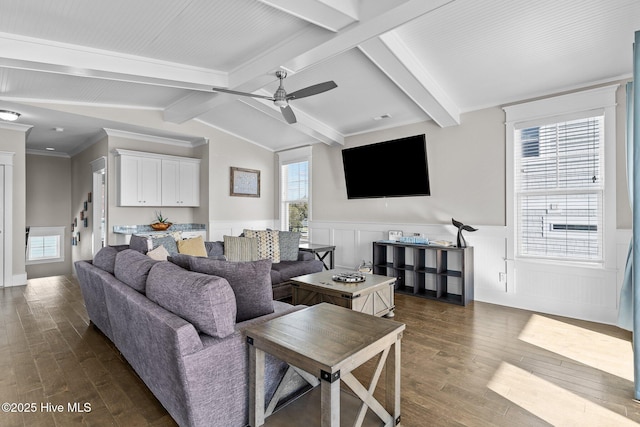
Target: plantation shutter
x: 559, y: 189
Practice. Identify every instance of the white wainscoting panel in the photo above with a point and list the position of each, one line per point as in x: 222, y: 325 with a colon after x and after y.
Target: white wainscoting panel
x: 219, y: 229
x: 574, y: 291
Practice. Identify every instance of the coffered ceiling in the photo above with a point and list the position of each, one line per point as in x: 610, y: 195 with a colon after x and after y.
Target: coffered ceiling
x: 409, y: 60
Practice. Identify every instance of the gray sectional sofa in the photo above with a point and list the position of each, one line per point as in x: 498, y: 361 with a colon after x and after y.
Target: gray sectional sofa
x: 180, y: 330
x: 281, y: 272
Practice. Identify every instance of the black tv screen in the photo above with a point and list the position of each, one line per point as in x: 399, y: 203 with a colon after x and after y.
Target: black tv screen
x: 396, y: 168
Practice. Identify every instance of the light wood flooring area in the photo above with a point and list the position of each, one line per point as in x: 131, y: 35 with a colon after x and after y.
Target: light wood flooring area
x: 480, y: 365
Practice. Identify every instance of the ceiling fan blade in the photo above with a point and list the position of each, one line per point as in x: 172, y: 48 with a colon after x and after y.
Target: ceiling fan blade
x: 287, y: 112
x: 312, y: 90
x: 235, y: 92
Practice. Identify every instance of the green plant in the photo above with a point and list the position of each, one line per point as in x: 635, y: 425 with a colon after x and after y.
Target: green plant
x: 160, y: 219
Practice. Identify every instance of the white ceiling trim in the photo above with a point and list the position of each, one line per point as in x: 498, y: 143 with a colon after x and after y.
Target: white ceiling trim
x: 236, y: 135
x: 332, y: 17
x: 15, y: 126
x: 389, y: 53
x: 47, y: 153
x: 305, y: 123
x: 149, y: 138
x: 34, y: 54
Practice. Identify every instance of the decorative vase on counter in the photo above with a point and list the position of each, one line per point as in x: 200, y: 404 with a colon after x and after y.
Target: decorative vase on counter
x: 161, y: 226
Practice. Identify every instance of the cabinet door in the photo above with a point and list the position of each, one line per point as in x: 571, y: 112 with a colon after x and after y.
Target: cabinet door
x: 189, y: 183
x: 150, y: 179
x: 128, y: 187
x: 170, y: 183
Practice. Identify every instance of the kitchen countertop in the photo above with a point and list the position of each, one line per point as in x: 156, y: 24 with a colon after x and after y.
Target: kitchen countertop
x: 146, y: 229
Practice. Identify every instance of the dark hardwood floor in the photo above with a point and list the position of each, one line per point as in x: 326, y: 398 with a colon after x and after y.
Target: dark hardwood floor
x: 480, y: 365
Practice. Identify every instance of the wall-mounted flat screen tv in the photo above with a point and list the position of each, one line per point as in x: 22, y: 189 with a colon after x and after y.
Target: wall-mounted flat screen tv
x: 395, y: 168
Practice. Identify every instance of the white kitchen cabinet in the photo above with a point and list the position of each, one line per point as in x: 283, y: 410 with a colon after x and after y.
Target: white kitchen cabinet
x: 147, y: 179
x: 180, y: 182
x: 139, y: 181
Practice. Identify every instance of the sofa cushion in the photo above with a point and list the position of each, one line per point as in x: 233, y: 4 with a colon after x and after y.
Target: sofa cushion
x: 250, y: 281
x: 132, y: 268
x: 206, y: 301
x: 268, y: 243
x: 193, y: 246
x: 139, y: 243
x: 289, y: 245
x: 181, y: 260
x: 159, y: 254
x: 214, y: 249
x: 240, y: 248
x: 105, y: 259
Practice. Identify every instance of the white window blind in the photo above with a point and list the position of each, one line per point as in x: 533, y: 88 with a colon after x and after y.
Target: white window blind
x: 559, y: 190
x: 45, y: 244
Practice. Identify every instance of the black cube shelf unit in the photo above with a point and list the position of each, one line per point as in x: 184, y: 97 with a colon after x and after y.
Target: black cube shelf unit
x: 413, y: 275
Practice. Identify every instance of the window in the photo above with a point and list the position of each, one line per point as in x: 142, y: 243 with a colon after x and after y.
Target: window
x: 45, y: 245
x: 561, y: 194
x: 295, y: 190
x: 559, y: 189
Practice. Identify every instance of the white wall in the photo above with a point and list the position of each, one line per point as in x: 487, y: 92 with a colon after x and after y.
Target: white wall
x: 467, y: 174
x: 48, y: 204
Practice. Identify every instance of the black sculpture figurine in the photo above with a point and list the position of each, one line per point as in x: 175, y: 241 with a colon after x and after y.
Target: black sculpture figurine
x: 461, y: 242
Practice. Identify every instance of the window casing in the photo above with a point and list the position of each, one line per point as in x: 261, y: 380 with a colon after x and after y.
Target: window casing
x: 45, y: 245
x: 597, y: 103
x: 295, y: 190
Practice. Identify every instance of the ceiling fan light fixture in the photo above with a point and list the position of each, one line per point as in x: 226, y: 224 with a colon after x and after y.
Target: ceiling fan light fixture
x: 281, y: 103
x: 10, y: 116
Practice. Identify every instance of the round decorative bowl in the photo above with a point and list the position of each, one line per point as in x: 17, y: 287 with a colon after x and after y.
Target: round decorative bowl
x: 161, y: 226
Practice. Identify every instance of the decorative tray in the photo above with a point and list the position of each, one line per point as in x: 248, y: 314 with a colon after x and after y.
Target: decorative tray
x: 349, y: 277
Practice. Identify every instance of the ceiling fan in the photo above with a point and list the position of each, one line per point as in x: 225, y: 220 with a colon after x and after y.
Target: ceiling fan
x: 281, y: 98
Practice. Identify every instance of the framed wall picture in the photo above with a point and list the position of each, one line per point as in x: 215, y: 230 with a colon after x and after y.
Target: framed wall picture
x: 245, y: 182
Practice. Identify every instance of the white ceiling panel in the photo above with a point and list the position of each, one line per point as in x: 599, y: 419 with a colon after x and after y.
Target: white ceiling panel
x: 494, y: 52
x: 363, y: 92
x: 213, y: 34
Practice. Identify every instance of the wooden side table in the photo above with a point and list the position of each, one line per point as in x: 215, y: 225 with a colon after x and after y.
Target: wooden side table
x: 321, y: 252
x: 324, y: 344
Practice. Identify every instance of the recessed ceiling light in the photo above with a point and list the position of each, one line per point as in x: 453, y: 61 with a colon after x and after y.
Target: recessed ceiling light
x: 50, y: 149
x: 58, y: 129
x: 10, y: 116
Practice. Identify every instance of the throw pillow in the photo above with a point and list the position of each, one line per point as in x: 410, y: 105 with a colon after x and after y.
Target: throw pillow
x: 169, y: 243
x: 159, y: 253
x: 240, y: 248
x: 268, y: 243
x: 205, y: 301
x: 193, y: 246
x: 250, y: 281
x: 289, y: 245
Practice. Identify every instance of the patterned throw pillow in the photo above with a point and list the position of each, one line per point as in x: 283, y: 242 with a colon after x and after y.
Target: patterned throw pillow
x: 268, y: 243
x: 240, y: 248
x: 289, y: 245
